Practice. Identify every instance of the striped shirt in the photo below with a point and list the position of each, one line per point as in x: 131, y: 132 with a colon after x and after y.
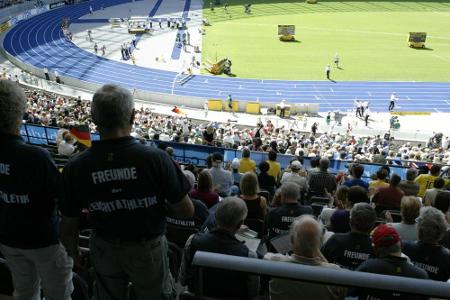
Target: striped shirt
x: 319, y: 180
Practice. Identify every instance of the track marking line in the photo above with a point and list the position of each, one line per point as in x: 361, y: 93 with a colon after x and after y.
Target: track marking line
x: 440, y: 57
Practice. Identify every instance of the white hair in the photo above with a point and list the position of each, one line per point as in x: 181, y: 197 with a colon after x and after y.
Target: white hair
x: 190, y: 177
x: 306, y: 238
x: 230, y: 212
x: 12, y: 106
x: 431, y: 225
x: 112, y: 107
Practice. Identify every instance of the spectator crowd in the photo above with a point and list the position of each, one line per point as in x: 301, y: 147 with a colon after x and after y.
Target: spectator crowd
x: 49, y: 109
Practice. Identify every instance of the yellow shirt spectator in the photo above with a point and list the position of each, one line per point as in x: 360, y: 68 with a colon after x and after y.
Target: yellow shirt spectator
x: 274, y: 169
x: 425, y: 182
x: 247, y: 165
x: 377, y: 184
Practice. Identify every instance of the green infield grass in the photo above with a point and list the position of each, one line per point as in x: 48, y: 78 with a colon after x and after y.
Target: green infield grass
x: 370, y: 37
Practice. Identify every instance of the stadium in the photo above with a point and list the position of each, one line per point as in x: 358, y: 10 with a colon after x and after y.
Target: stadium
x: 190, y: 149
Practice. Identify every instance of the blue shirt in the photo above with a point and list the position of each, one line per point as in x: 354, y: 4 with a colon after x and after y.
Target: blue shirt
x: 356, y: 181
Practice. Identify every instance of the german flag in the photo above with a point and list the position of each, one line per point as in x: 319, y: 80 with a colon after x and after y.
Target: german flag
x: 82, y: 134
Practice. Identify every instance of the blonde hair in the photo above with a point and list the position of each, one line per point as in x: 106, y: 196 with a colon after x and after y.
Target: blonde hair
x: 249, y: 184
x: 341, y: 193
x: 410, y: 209
x: 204, y: 182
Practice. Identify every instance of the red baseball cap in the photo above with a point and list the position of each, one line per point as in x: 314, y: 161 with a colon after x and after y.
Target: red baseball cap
x: 384, y: 236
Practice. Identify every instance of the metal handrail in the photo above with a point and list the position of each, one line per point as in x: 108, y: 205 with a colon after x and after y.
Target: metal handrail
x: 314, y: 274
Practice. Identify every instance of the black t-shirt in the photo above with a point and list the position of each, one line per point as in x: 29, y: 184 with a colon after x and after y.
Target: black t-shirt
x: 390, y: 265
x: 218, y: 283
x: 279, y: 219
x: 124, y: 184
x: 348, y: 250
x: 201, y: 213
x: 29, y: 188
x: 267, y: 182
x: 434, y: 259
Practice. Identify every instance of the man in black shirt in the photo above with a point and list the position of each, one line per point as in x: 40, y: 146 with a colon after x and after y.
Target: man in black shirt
x: 179, y: 229
x: 230, y: 215
x: 350, y: 249
x: 266, y: 182
x: 29, y: 189
x: 426, y: 253
x: 279, y: 219
x: 386, y: 242
x: 127, y: 187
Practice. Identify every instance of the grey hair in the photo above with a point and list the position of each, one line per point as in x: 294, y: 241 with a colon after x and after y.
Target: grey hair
x: 112, y: 107
x: 362, y: 217
x: 190, y: 177
x: 13, y: 104
x: 324, y: 163
x: 230, y: 213
x: 411, y: 174
x: 431, y: 225
x: 290, y: 191
x: 306, y: 240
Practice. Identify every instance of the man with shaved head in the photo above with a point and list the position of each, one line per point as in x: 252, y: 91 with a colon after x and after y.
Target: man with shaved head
x: 306, y: 234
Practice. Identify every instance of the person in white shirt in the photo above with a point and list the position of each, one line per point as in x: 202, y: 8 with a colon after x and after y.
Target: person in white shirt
x: 66, y: 147
x: 228, y: 139
x: 164, y: 136
x: 430, y: 194
x: 336, y: 60
x: 394, y: 98
x: 47, y: 77
x: 185, y: 128
x: 205, y: 108
x: 445, y: 143
x: 57, y: 79
x: 328, y: 71
x: 295, y: 177
x: 60, y: 135
x: 282, y: 108
x: 366, y: 117
x: 409, y: 209
x: 358, y: 106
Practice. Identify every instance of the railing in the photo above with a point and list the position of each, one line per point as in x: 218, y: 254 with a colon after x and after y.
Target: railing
x: 198, y: 154
x: 321, y: 275
x: 42, y: 135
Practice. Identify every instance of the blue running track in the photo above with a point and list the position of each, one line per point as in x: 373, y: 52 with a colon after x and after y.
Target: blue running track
x: 39, y: 41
